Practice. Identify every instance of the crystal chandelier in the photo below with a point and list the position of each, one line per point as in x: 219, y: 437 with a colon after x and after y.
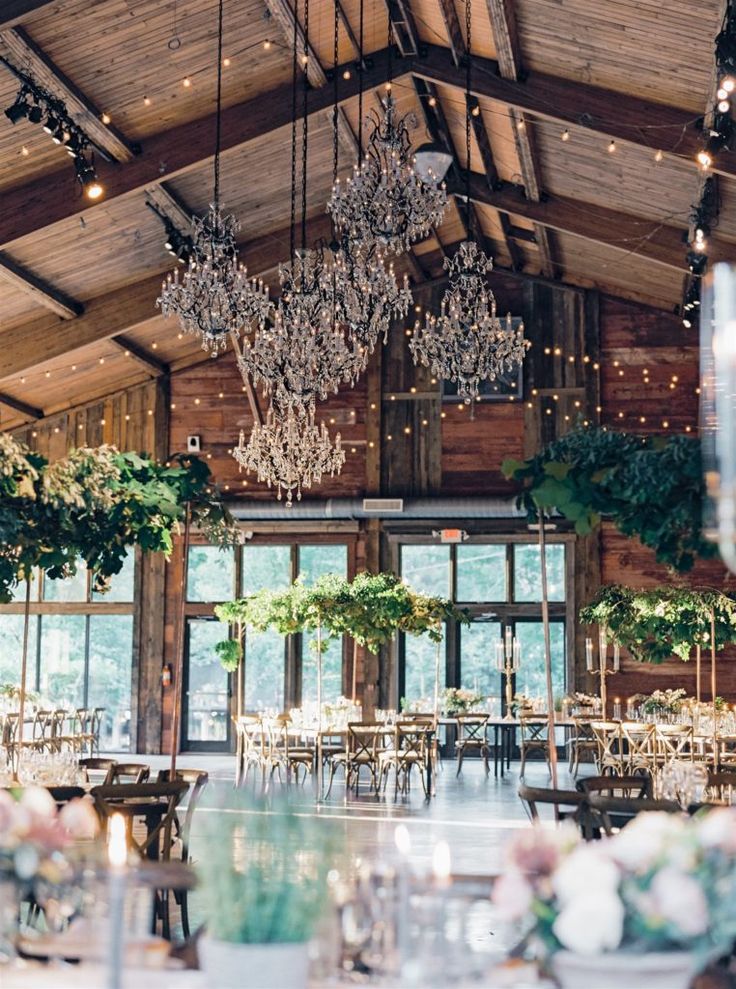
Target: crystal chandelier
x: 215, y: 298
x: 290, y: 452
x: 467, y: 343
x: 385, y: 201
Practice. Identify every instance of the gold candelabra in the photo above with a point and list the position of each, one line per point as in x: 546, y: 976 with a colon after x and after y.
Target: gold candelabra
x: 603, y: 670
x: 508, y: 660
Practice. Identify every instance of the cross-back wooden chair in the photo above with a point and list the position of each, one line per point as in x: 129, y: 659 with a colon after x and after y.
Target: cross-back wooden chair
x: 95, y: 727
x: 637, y: 786
x: 130, y: 772
x: 583, y: 742
x: 98, y: 771
x: 565, y: 803
x: 284, y: 751
x: 361, y: 752
x: 534, y: 737
x: 472, y: 736
x: 411, y: 748
x: 610, y: 747
x: 196, y: 780
x: 722, y: 787
x: 638, y: 746
x: 608, y: 814
x: 674, y: 742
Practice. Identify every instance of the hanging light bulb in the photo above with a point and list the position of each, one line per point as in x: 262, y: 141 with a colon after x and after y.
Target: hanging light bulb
x: 215, y: 299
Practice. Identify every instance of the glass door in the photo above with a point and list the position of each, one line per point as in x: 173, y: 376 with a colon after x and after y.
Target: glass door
x: 478, y: 662
x: 206, y: 724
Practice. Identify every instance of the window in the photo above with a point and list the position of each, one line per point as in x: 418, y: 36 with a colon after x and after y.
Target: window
x: 266, y: 567
x: 206, y: 704
x: 499, y: 583
x: 80, y: 651
x: 265, y: 664
x: 316, y: 561
x: 211, y: 574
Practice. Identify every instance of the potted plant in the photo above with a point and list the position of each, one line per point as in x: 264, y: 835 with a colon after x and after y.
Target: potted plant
x: 649, y: 907
x: 264, y: 890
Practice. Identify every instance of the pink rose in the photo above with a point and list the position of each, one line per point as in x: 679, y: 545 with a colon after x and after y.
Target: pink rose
x: 78, y: 818
x: 512, y: 894
x: 679, y: 900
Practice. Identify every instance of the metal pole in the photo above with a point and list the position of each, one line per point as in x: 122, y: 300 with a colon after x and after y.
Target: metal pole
x: 547, y: 656
x: 319, y: 676
x: 179, y: 647
x: 713, y: 687
x: 355, y: 672
x: 697, y: 672
x: 437, y: 660
x: 23, y: 676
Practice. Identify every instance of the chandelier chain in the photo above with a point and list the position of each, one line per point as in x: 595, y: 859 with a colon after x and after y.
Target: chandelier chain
x: 218, y: 128
x: 468, y: 110
x: 294, y: 57
x: 305, y: 124
x: 335, y: 56
x: 361, y: 28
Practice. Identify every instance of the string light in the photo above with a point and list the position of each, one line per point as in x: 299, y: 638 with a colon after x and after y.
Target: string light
x: 186, y: 82
x: 611, y: 147
x: 658, y: 156
x: 565, y: 135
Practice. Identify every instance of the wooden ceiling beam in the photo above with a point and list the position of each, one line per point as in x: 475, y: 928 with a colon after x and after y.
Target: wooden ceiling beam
x: 29, y: 411
x: 38, y: 289
x: 647, y: 239
x: 130, y: 348
x: 169, y: 206
x: 47, y: 200
x: 566, y: 101
x: 506, y: 38
x: 12, y: 12
x: 122, y: 311
x: 29, y: 57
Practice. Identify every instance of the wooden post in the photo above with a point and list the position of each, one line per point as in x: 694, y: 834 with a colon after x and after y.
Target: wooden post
x: 547, y: 655
x: 179, y: 649
x: 319, y: 676
x: 437, y: 660
x: 23, y: 676
x: 697, y: 673
x: 713, y: 687
x: 354, y: 691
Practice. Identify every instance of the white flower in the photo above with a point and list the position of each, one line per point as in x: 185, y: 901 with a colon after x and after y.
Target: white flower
x: 587, y: 868
x: 78, y: 817
x: 512, y: 894
x: 679, y: 899
x: 645, y: 839
x: 591, y: 923
x: 718, y: 829
x: 38, y: 802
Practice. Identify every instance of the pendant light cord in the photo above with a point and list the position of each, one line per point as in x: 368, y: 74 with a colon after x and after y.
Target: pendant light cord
x: 292, y: 224
x: 305, y: 125
x: 361, y: 28
x: 389, y: 46
x: 335, y: 55
x: 468, y: 108
x: 219, y: 108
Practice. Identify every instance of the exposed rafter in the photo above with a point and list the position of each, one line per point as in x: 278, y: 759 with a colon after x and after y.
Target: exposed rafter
x: 169, y: 205
x: 26, y: 54
x: 29, y: 411
x: 130, y: 348
x: 46, y: 200
x: 14, y: 11
x: 40, y: 291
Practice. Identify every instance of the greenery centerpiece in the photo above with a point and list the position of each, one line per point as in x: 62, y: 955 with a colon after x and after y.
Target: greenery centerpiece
x: 663, y: 703
x: 264, y: 890
x: 650, y: 906
x: 648, y: 486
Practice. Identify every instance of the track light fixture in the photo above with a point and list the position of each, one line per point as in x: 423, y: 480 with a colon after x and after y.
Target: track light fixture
x: 178, y: 244
x: 40, y: 106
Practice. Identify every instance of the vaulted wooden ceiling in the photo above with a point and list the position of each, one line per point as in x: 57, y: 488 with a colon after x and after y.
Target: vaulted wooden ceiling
x: 79, y: 280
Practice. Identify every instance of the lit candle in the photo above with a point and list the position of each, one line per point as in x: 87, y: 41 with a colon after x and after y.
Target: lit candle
x: 616, y: 657
x: 402, y: 839
x: 617, y: 708
x: 117, y: 856
x: 603, y: 646
x: 589, y: 655
x: 517, y: 654
x: 441, y: 869
x: 500, y: 656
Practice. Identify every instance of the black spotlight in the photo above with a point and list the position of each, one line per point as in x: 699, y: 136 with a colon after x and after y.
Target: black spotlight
x: 696, y: 262
x: 51, y: 124
x: 87, y: 177
x: 18, y: 110
x: 35, y: 114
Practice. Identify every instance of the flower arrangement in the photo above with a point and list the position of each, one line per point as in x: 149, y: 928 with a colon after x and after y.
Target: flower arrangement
x: 665, y: 882
x: 521, y: 703
x: 457, y: 700
x: 579, y: 699
x: 664, y: 701
x: 35, y: 836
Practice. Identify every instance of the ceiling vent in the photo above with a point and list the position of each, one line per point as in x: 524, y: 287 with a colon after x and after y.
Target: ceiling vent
x: 383, y: 505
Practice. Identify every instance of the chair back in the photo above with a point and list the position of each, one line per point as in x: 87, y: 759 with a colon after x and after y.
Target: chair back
x: 610, y: 745
x: 141, y: 800
x: 101, y: 768
x: 612, y: 813
x: 639, y: 746
x: 472, y: 728
x: 196, y: 780
x: 565, y: 803
x: 58, y: 718
x: 722, y: 787
x: 42, y: 725
x: 411, y: 740
x: 364, y: 739
x: 534, y: 730
x: 130, y: 772
x: 674, y: 742
x: 638, y: 787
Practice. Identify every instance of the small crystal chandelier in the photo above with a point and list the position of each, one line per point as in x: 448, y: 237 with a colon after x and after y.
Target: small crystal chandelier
x: 385, y: 201
x: 290, y: 452
x: 215, y: 298
x: 467, y: 343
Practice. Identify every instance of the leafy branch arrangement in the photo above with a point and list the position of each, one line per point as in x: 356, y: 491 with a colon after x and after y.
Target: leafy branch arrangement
x: 92, y: 505
x: 656, y: 624
x: 650, y: 487
x: 371, y: 609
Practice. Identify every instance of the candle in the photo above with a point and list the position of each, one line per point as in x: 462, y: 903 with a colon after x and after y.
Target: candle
x: 500, y: 656
x: 117, y: 856
x: 617, y: 708
x: 441, y: 869
x: 603, y: 645
x: 517, y: 654
x: 509, y: 643
x: 589, y: 655
x: 402, y: 840
x: 616, y: 657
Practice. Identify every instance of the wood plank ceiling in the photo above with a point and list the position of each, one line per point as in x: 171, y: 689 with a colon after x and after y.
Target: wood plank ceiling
x: 78, y: 280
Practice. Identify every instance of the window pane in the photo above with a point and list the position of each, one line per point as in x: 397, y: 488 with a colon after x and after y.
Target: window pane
x: 331, y: 671
x: 530, y: 679
x: 72, y: 589
x: 11, y: 654
x: 527, y: 573
x: 211, y: 574
x: 207, y: 701
x: 19, y: 591
x: 266, y: 567
x: 481, y: 573
x: 477, y: 660
x: 264, y: 671
x: 122, y: 585
x: 314, y: 561
x: 110, y: 668
x: 427, y: 569
x: 419, y: 671
x: 62, y: 659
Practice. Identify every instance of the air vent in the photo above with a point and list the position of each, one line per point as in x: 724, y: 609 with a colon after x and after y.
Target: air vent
x: 381, y: 505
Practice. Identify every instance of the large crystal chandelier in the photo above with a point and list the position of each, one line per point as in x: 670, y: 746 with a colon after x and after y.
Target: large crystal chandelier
x: 214, y: 298
x: 467, y: 343
x: 385, y: 201
x: 290, y: 452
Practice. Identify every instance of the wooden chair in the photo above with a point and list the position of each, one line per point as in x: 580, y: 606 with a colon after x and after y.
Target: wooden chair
x: 129, y: 772
x: 583, y: 742
x: 363, y: 743
x: 252, y: 748
x: 63, y: 794
x: 637, y: 786
x: 472, y: 735
x: 534, y: 737
x: 196, y: 780
x: 566, y: 804
x: 282, y: 751
x: 609, y: 814
x: 98, y: 771
x: 82, y: 729
x: 638, y: 747
x: 95, y: 727
x: 411, y: 748
x: 722, y: 786
x: 674, y: 742
x: 610, y: 747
